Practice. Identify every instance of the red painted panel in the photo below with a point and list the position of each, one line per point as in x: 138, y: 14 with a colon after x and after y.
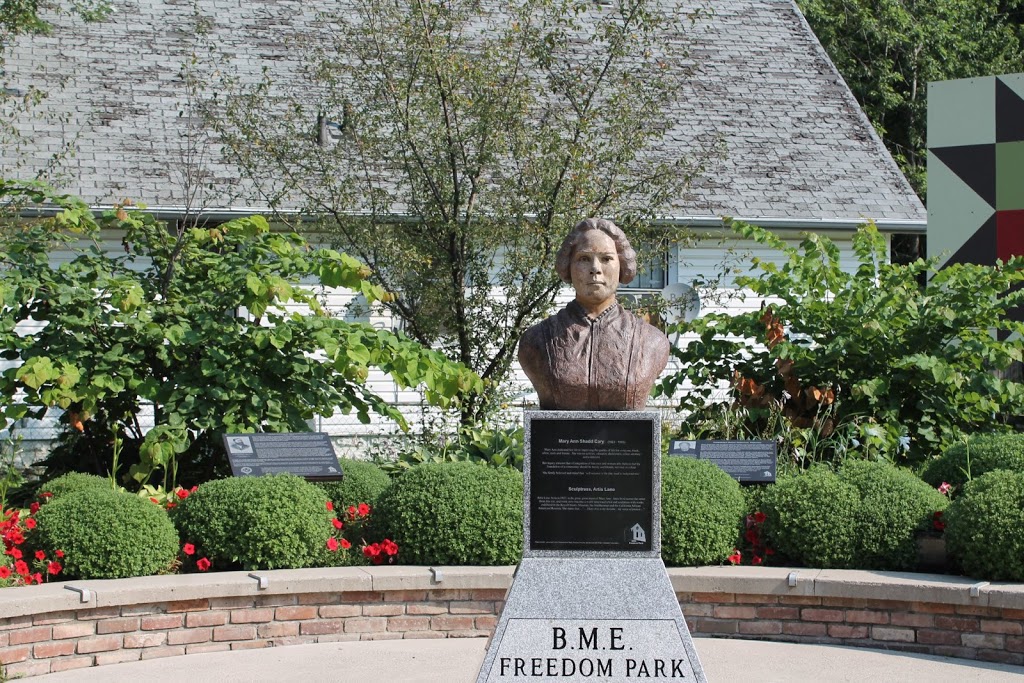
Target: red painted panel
x: 1009, y: 234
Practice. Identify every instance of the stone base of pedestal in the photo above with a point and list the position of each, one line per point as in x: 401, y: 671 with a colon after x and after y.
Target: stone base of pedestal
x: 586, y: 619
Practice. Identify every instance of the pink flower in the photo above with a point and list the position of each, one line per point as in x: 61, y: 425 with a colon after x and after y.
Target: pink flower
x: 202, y: 564
x: 188, y: 549
x: 332, y: 544
x: 945, y: 488
x: 337, y: 523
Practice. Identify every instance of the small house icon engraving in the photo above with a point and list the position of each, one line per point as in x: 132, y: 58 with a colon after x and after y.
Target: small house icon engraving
x: 639, y: 535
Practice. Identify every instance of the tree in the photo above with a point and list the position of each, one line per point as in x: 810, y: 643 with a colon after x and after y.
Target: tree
x: 452, y: 145
x: 888, y: 51
x: 110, y: 338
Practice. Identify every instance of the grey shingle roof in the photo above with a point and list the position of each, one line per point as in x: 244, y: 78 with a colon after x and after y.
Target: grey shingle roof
x: 797, y: 146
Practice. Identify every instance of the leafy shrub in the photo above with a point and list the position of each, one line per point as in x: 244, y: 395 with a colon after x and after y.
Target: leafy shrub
x: 812, y: 518
x: 981, y: 453
x: 894, y: 505
x: 107, y: 534
x: 983, y: 526
x: 73, y: 482
x: 363, y: 483
x: 454, y: 513
x: 701, y: 507
x: 257, y: 522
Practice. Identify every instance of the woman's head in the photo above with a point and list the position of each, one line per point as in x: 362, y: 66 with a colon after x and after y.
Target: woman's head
x: 627, y: 256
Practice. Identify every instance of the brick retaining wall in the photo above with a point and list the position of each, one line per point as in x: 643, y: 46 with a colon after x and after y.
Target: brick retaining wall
x: 52, y: 628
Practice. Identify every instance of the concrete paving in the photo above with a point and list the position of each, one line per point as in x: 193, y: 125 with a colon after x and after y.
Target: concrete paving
x: 457, y: 661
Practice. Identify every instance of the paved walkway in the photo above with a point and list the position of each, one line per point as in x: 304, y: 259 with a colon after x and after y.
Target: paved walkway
x: 457, y: 661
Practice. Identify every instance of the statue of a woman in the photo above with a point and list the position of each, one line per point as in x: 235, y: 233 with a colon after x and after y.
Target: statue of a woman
x: 594, y: 354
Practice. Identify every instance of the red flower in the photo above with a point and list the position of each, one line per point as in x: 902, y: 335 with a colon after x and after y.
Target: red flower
x: 337, y: 523
x: 937, y: 520
x: 5, y: 572
x: 757, y: 560
x: 15, y: 553
x: 760, y: 517
x: 33, y: 508
x: 330, y: 506
x: 59, y: 553
x: 182, y: 493
x: 751, y: 535
x: 194, y: 489
x: 54, y: 568
x: 345, y: 545
x: 30, y: 523
x: 40, y: 555
x: 46, y: 494
x: 188, y: 549
x: 371, y: 551
x: 21, y: 567
x: 37, y: 577
x: 202, y: 564
x: 352, y: 511
x: 389, y: 546
x: 735, y: 558
x: 154, y: 500
x: 332, y: 544
x: 364, y: 509
x: 171, y: 505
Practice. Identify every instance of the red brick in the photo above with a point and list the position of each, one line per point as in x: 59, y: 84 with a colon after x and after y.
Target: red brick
x: 957, y: 623
x: 486, y: 622
x: 1009, y: 613
x: 760, y: 628
x: 197, y: 619
x: 469, y: 607
x: 276, y: 601
x: 443, y: 622
x: 812, y: 614
x: 143, y: 610
x: 122, y: 625
x: 488, y: 594
x: 338, y: 611
x: 235, y: 602
x: 888, y: 633
x: 716, y: 626
x: 756, y: 599
x: 446, y: 595
x: 118, y: 657
x: 30, y: 668
x: 384, y: 610
x: 58, y: 648
x: 53, y: 618
x: 99, y: 644
x: 234, y: 633
x: 799, y: 600
x: 249, y: 645
x: 252, y: 616
x: 74, y: 629
x: 1014, y: 644
x: 380, y: 624
x: 99, y: 613
x: 158, y: 652
x: 847, y: 631
x: 9, y: 655
x: 932, y: 608
x: 8, y: 623
x: 420, y: 596
x: 733, y: 612
x: 989, y: 641
x: 407, y: 623
x: 323, y: 626
x: 1009, y: 628
x: 699, y: 610
x: 1000, y: 656
x: 192, y: 635
x: 725, y: 598
x: 320, y: 599
x: 363, y: 596
x: 160, y: 621
x: 935, y: 637
x: 298, y: 612
x: 138, y: 640
x: 866, y: 617
x: 30, y: 635
x: 424, y: 608
x: 978, y: 610
x: 799, y: 628
x: 912, y: 619
x: 69, y: 663
x: 778, y: 613
x: 846, y: 603
x: 278, y: 629
x: 422, y: 635
x: 958, y: 652
x: 207, y: 647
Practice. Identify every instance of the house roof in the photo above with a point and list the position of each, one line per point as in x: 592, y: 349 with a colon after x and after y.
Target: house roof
x: 797, y: 148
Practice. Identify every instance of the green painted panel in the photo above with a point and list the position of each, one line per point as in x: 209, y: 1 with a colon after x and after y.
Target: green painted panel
x: 961, y: 112
x: 1015, y: 82
x: 1010, y: 176
x: 955, y: 211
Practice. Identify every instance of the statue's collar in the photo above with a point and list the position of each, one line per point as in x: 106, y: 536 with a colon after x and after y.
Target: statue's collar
x: 580, y: 315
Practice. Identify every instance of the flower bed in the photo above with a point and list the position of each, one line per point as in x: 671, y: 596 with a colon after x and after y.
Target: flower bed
x: 61, y: 626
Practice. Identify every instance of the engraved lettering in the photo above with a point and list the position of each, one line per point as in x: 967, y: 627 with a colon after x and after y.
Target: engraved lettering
x: 616, y: 637
x: 558, y: 633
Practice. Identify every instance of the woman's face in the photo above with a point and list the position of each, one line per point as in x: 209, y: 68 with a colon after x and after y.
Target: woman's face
x: 595, y: 271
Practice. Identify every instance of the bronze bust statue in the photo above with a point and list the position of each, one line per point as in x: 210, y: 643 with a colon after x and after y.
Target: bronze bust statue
x: 594, y: 354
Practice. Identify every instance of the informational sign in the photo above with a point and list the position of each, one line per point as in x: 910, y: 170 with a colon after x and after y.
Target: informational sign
x: 308, y: 455
x: 591, y: 485
x: 745, y: 461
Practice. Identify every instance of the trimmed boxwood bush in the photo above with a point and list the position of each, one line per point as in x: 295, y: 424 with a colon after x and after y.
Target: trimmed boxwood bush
x: 363, y: 483
x: 812, y: 518
x: 454, y: 513
x: 107, y: 534
x: 980, y: 454
x: 700, y: 508
x: 983, y: 527
x: 894, y: 505
x: 263, y: 522
x: 72, y: 482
